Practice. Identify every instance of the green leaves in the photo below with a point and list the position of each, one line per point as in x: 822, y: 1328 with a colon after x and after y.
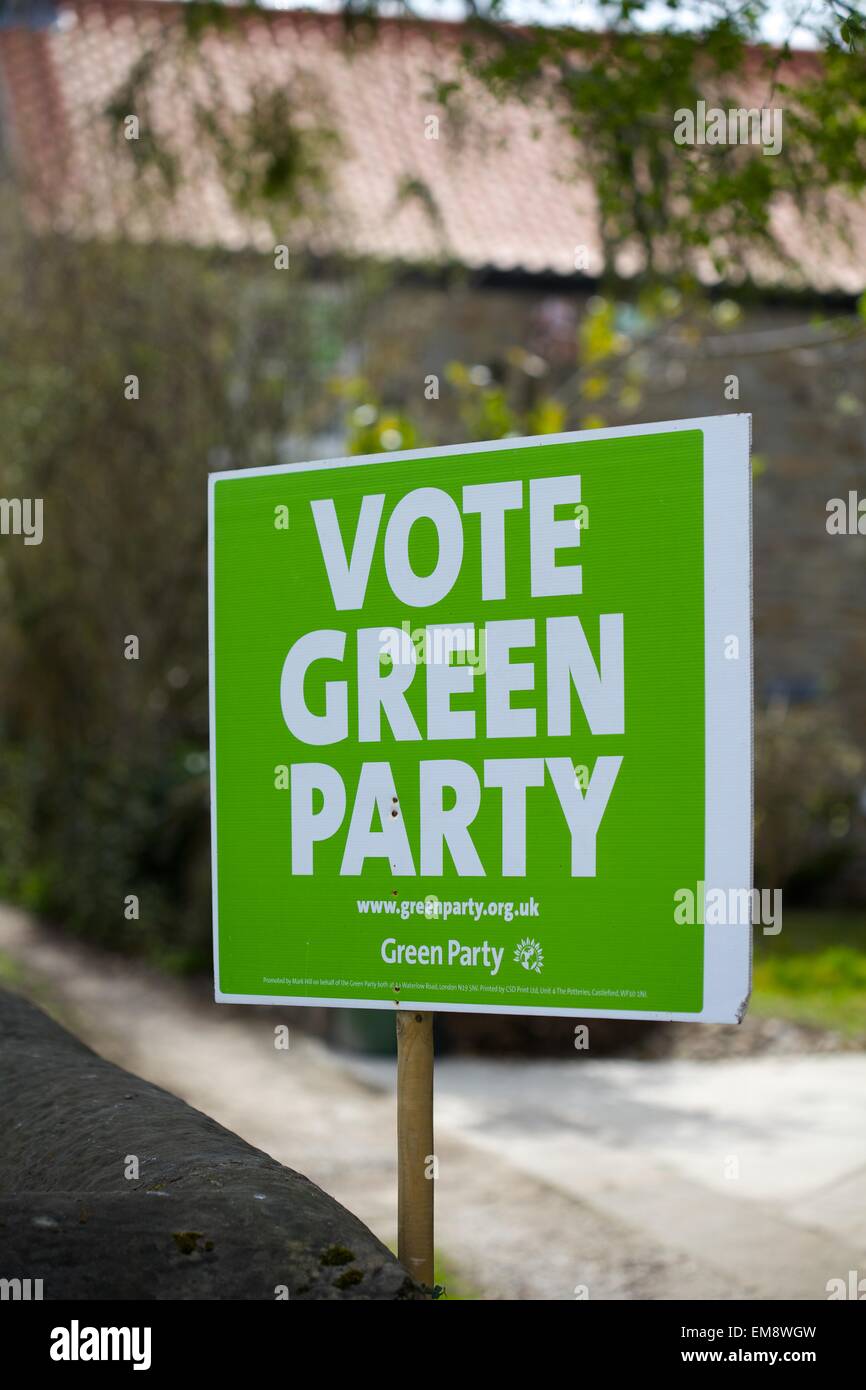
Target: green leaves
x: 852, y: 32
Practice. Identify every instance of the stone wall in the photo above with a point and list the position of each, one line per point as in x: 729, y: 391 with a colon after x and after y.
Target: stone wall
x: 807, y: 399
x: 111, y: 1188
x: 804, y: 385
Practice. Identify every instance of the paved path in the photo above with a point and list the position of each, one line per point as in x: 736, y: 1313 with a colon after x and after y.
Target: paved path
x: 676, y: 1179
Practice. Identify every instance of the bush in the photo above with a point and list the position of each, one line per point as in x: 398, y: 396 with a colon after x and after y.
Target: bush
x: 103, y: 785
x: 810, y: 825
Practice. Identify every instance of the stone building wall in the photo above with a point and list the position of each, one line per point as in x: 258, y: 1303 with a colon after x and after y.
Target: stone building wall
x: 808, y: 407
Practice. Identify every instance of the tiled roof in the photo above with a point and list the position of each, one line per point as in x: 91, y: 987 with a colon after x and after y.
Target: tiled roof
x: 506, y: 193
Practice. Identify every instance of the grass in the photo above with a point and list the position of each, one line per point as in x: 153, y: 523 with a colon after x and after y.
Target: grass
x: 814, y: 971
x: 18, y: 980
x: 11, y: 974
x: 455, y: 1288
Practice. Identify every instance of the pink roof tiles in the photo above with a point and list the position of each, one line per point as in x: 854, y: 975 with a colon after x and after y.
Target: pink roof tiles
x: 505, y: 194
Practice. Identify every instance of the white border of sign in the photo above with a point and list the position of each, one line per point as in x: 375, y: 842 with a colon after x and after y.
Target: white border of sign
x: 728, y: 705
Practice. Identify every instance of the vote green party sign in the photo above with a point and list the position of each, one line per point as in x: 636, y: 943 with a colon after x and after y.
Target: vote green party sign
x: 480, y: 718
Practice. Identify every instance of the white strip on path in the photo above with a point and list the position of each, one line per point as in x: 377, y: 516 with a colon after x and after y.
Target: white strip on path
x: 758, y: 1165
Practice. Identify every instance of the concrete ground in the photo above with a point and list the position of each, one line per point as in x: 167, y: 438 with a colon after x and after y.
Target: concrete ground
x: 557, y: 1179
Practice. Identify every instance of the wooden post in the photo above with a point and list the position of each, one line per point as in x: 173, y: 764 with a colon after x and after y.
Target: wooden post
x: 415, y: 1144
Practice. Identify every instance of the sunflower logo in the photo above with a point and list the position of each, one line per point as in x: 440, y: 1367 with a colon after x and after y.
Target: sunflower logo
x: 529, y: 954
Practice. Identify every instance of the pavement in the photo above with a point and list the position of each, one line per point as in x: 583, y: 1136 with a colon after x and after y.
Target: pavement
x: 562, y: 1179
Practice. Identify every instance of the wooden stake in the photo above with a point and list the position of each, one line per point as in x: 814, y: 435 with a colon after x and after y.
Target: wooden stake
x: 415, y: 1144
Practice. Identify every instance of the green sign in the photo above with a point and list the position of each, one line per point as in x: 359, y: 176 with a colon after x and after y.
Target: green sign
x: 481, y: 723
